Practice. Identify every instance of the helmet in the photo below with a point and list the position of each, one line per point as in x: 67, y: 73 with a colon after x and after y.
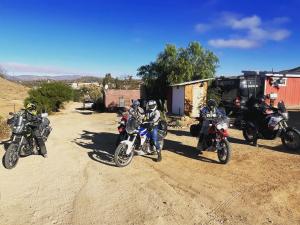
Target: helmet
x: 135, y: 104
x: 151, y: 105
x: 31, y: 108
x: 212, y: 104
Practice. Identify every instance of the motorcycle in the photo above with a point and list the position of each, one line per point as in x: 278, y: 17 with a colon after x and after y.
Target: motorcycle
x: 274, y: 125
x: 122, y: 130
x: 138, y: 141
x: 22, y: 141
x: 216, y: 140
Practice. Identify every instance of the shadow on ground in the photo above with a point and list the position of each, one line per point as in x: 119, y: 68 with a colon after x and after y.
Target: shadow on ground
x: 186, y: 151
x: 180, y: 132
x: 101, y: 146
x: 5, y: 144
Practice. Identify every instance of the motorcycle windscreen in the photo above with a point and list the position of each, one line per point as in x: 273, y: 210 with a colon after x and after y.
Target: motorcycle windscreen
x: 131, y: 125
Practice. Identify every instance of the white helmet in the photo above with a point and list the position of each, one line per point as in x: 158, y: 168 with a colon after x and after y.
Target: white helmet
x: 151, y: 105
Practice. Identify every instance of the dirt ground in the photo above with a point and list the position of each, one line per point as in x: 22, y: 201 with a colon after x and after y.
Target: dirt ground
x: 79, y: 184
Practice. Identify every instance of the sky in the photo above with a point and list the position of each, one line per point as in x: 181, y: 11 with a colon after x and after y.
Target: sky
x: 88, y: 37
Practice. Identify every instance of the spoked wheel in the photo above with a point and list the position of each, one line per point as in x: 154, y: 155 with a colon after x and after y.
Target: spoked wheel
x: 291, y: 139
x: 249, y: 133
x: 121, y: 158
x: 224, y: 152
x: 11, y: 157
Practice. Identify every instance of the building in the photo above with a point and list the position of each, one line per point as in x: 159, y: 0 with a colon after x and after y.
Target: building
x: 187, y: 98
x: 78, y: 85
x: 116, y: 98
x: 284, y: 86
x: 276, y: 86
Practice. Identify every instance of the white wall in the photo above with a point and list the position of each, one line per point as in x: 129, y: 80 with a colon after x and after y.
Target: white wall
x: 178, y: 100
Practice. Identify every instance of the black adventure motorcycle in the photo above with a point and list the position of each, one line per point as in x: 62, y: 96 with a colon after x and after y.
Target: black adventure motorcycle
x: 270, y: 124
x: 22, y: 141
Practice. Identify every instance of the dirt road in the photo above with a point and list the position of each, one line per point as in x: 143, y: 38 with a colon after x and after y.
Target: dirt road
x: 78, y: 183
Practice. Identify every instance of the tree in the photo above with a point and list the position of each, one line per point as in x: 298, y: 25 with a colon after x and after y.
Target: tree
x: 50, y: 96
x: 175, y: 66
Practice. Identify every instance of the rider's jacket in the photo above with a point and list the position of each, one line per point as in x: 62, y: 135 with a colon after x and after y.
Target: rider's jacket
x: 138, y: 113
x: 153, y: 116
x: 205, y: 112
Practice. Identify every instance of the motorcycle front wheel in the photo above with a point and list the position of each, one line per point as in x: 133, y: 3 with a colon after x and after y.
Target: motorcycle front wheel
x: 224, y: 152
x: 249, y: 133
x: 11, y: 156
x: 121, y: 158
x: 291, y: 139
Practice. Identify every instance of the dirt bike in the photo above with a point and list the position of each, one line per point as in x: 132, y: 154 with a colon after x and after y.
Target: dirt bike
x: 216, y: 140
x: 122, y: 130
x: 138, y: 141
x: 22, y: 141
x: 274, y: 125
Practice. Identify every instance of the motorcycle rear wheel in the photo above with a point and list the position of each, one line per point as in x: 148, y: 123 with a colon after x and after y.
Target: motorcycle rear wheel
x: 11, y: 156
x: 224, y: 154
x: 121, y: 158
x: 291, y: 139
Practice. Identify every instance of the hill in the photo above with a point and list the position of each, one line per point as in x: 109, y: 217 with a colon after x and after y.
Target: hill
x: 11, y: 95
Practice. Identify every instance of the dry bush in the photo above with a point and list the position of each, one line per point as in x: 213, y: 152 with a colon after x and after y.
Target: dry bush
x: 4, y: 129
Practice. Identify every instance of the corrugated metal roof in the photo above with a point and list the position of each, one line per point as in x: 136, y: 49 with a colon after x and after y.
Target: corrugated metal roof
x: 191, y: 82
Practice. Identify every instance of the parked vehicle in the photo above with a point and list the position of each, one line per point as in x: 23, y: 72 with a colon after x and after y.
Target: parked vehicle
x: 273, y: 124
x: 216, y: 140
x: 87, y: 104
x: 138, y: 141
x: 22, y: 141
x: 122, y: 129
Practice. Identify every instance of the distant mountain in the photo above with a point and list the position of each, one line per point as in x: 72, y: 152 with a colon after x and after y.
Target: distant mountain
x: 37, y: 78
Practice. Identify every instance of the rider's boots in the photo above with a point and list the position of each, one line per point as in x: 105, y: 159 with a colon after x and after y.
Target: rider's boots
x: 159, y: 158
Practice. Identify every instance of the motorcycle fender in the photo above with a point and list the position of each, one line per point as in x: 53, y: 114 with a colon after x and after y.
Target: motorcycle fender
x: 129, y: 145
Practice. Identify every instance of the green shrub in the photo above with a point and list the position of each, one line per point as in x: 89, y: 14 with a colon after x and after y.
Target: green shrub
x: 50, y: 97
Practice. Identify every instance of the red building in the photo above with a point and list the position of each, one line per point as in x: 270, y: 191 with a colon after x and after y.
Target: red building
x: 283, y: 86
x: 115, y: 98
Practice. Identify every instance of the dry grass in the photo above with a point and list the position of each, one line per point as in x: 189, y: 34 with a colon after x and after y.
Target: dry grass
x: 12, y: 96
x: 4, y: 129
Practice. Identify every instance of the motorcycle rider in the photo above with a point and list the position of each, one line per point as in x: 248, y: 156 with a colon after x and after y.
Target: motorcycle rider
x: 210, y: 109
x: 136, y: 111
x: 34, y: 122
x: 153, y: 118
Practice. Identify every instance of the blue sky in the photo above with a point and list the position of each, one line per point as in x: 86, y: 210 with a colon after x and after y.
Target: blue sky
x: 98, y: 37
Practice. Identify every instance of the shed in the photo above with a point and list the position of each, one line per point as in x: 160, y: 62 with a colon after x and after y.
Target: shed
x: 285, y: 87
x: 187, y: 98
x: 116, y: 98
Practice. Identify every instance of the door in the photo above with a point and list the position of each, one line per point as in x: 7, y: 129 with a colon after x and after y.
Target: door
x: 178, y: 100
x: 197, y: 100
x: 121, y: 102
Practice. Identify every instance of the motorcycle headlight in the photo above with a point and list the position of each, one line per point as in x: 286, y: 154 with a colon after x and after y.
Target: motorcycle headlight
x: 18, y: 129
x: 285, y: 115
x: 222, y: 126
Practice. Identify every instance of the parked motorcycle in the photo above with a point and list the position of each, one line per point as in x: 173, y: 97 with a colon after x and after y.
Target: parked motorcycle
x: 122, y: 130
x: 216, y: 140
x: 22, y: 140
x: 138, y: 141
x: 274, y: 125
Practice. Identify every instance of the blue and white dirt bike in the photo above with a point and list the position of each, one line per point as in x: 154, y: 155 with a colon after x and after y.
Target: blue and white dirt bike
x: 138, y: 141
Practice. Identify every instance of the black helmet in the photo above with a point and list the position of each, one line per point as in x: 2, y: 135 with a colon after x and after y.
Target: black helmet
x: 212, y: 104
x: 31, y: 108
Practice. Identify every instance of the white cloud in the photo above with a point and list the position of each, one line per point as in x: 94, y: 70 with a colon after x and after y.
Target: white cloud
x: 252, y: 30
x: 233, y: 43
x: 243, y: 23
x: 202, y: 27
